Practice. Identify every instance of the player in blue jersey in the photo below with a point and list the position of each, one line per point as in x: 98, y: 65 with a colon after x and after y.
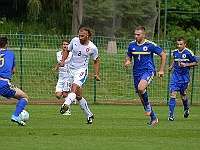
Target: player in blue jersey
x: 7, y: 68
x: 142, y: 51
x: 183, y: 59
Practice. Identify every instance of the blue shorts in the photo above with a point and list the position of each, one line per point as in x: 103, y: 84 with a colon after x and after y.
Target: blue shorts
x: 7, y: 89
x: 181, y: 87
x: 148, y: 76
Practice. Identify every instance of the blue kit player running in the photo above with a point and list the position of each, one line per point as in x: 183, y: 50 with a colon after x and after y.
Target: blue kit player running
x: 183, y: 59
x: 7, y: 68
x: 142, y: 51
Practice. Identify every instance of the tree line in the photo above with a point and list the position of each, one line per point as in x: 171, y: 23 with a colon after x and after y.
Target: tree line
x: 116, y: 18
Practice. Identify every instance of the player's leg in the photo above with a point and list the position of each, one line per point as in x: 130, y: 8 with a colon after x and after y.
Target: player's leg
x: 78, y: 79
x: 172, y: 105
x: 66, y: 90
x: 59, y: 89
x: 68, y: 112
x: 146, y: 79
x: 70, y: 98
x: 84, y: 107
x: 10, y: 91
x: 59, y: 95
x: 62, y: 92
x: 183, y: 92
x: 174, y: 87
x: 23, y: 100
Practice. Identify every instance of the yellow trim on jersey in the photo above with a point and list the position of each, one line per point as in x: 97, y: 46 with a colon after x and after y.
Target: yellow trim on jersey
x: 144, y: 42
x: 141, y: 52
x: 187, y: 50
x: 150, y: 42
x: 190, y: 51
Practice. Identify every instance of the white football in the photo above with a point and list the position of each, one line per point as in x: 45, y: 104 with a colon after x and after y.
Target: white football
x: 24, y: 115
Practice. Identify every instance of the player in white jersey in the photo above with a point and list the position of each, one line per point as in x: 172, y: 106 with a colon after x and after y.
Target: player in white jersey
x: 82, y: 49
x: 63, y: 85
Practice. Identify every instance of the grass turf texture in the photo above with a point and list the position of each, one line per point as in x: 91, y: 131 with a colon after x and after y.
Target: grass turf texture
x: 116, y: 127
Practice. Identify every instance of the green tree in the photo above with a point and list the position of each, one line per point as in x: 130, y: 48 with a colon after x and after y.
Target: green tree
x: 182, y: 19
x: 34, y: 9
x: 54, y: 15
x: 119, y: 18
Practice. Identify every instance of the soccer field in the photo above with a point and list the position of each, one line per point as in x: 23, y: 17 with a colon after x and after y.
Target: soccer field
x: 115, y: 127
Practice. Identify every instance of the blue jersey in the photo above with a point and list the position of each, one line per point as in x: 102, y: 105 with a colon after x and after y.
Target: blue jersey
x: 143, y: 56
x: 182, y: 74
x: 7, y: 62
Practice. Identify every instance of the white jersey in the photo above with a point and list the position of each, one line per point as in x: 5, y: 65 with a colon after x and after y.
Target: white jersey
x: 63, y: 70
x: 81, y: 54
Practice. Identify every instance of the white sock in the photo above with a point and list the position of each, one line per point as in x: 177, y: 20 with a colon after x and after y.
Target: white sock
x: 83, y: 104
x: 68, y: 105
x: 70, y: 98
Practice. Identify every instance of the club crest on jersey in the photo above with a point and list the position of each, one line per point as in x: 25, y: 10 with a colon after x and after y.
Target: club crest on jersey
x: 184, y: 56
x: 145, y: 48
x: 87, y: 49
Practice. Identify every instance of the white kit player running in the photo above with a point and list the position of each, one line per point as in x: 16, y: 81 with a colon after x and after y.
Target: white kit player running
x: 63, y: 85
x: 82, y: 48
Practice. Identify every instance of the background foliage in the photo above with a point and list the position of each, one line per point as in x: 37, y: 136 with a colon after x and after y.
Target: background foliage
x: 55, y: 17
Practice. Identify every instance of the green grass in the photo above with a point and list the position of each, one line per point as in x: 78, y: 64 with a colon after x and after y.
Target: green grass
x: 115, y: 127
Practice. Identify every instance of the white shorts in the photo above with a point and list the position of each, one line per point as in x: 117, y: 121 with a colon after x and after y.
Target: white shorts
x: 78, y: 76
x: 63, y: 85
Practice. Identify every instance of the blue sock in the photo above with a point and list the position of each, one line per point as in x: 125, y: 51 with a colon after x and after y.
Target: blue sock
x: 185, y: 103
x: 153, y: 116
x: 172, y: 104
x: 20, y: 106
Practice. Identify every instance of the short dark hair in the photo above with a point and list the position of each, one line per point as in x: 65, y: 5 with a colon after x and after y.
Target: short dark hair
x: 181, y: 39
x: 68, y: 41
x: 3, y: 41
x: 141, y: 28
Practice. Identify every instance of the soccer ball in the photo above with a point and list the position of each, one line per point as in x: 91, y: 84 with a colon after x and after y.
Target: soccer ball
x: 24, y: 115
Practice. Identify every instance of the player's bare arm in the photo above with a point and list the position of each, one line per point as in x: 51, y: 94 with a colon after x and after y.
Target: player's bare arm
x: 96, y: 69
x: 55, y: 68
x: 128, y: 61
x: 171, y: 66
x: 189, y: 64
x: 64, y: 57
x: 162, y: 64
x: 14, y: 70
